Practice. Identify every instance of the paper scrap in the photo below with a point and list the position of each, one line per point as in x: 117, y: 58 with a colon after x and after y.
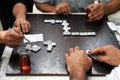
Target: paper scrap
x: 33, y: 37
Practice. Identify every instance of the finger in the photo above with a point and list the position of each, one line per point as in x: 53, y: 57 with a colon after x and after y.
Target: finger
x: 96, y: 15
x: 28, y: 24
x: 16, y: 37
x: 69, y: 10
x: 102, y: 58
x: 96, y: 51
x: 90, y: 6
x: 63, y: 11
x: 100, y: 17
x: 24, y: 28
x: 13, y: 45
x: 77, y: 48
x: 82, y: 52
x: 58, y: 10
x: 71, y: 50
x: 12, y: 34
x: 90, y: 60
x: 96, y: 7
x: 62, y: 8
x: 66, y: 8
x: 17, y: 30
x: 66, y: 55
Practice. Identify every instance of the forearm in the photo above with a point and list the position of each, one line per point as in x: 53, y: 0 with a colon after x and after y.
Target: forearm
x: 45, y: 7
x: 1, y: 36
x: 19, y: 11
x: 81, y: 75
x: 111, y: 6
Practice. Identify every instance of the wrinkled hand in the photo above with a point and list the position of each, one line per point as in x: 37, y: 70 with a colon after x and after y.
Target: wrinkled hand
x: 77, y: 61
x: 97, y: 11
x: 21, y: 22
x: 12, y: 38
x: 63, y: 8
x: 112, y: 55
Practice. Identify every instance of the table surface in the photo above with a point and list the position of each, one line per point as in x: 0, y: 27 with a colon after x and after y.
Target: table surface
x: 53, y: 63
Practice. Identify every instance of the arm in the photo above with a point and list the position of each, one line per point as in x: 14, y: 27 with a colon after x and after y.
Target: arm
x: 77, y: 63
x: 112, y: 6
x: 61, y: 8
x: 98, y: 10
x: 45, y: 7
x: 19, y: 12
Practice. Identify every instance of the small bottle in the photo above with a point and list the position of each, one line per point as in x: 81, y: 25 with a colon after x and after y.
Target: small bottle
x: 25, y: 63
x: 88, y: 11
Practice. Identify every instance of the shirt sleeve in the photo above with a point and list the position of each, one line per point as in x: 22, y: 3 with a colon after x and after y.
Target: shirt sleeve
x: 114, y: 75
x: 42, y: 1
x: 106, y: 0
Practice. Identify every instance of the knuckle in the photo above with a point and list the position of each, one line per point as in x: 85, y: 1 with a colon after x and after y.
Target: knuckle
x: 82, y: 51
x: 109, y: 46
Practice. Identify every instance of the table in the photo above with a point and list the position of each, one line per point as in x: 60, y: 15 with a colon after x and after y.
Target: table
x: 53, y: 63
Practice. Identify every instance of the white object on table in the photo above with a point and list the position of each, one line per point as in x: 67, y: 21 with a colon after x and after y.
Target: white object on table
x: 34, y: 37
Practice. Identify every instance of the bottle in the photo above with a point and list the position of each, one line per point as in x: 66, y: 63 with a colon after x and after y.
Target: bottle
x: 25, y: 63
x: 88, y: 11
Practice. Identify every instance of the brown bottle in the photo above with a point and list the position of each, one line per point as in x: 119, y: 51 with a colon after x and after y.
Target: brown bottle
x: 25, y: 63
x: 88, y: 11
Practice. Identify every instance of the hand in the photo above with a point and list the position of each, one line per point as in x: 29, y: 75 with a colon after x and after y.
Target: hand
x: 12, y: 38
x: 97, y: 11
x: 112, y: 55
x: 77, y: 61
x: 21, y: 22
x: 63, y: 8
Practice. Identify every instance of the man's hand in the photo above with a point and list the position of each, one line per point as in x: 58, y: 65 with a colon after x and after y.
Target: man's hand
x: 12, y: 38
x: 97, y: 11
x: 112, y: 55
x: 77, y: 63
x: 20, y: 22
x: 63, y: 8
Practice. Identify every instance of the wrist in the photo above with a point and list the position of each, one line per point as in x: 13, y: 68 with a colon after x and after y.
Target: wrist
x: 20, y: 17
x: 78, y: 75
x: 105, y: 7
x: 2, y: 37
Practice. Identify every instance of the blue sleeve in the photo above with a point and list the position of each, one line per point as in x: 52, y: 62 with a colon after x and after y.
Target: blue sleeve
x: 42, y: 1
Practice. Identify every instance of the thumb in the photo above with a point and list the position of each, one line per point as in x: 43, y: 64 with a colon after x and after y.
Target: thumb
x: 17, y: 30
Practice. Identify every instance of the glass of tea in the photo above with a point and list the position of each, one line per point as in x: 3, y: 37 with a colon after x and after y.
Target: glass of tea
x: 88, y: 11
x: 25, y: 62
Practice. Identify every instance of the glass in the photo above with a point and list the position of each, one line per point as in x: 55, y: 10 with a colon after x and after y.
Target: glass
x: 25, y: 62
x: 88, y: 11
